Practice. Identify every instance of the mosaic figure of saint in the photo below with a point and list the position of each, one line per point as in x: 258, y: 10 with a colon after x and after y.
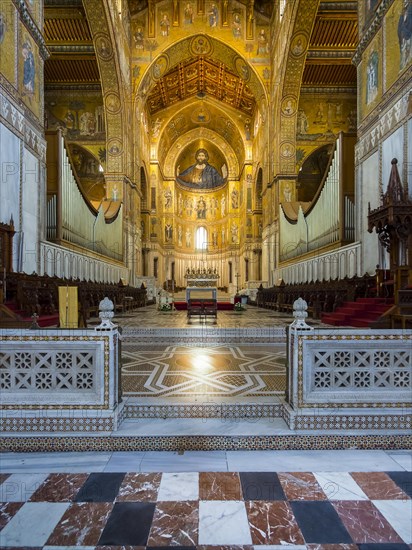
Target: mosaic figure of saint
x: 213, y: 15
x: 29, y: 71
x: 201, y: 175
x: 405, y: 34
x: 262, y: 40
x: 188, y: 14
x: 139, y: 39
x: 165, y: 25
x: 236, y: 26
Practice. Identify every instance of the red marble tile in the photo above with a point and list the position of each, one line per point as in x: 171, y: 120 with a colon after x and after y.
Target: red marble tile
x: 120, y: 548
x: 3, y: 477
x: 273, y: 522
x: 175, y: 523
x: 364, y: 522
x: 82, y: 524
x: 7, y: 511
x: 219, y: 486
x: 59, y: 488
x: 378, y: 486
x: 332, y: 547
x: 141, y: 487
x: 301, y: 486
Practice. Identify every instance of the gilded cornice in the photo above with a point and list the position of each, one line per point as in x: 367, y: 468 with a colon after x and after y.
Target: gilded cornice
x: 71, y: 48
x: 338, y: 6
x: 33, y: 29
x: 372, y: 30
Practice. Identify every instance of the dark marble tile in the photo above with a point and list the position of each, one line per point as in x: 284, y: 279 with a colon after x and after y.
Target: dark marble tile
x: 403, y: 480
x: 301, y: 486
x: 81, y: 524
x: 231, y: 547
x: 59, y: 488
x: 378, y: 486
x: 364, y: 522
x: 128, y: 524
x: 100, y: 487
x: 7, y: 511
x: 261, y: 486
x: 178, y: 547
x: 119, y: 548
x: 273, y: 523
x: 219, y: 486
x: 332, y: 547
x: 320, y: 523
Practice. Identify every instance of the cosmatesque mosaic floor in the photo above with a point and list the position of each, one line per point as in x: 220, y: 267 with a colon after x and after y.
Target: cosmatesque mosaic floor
x: 190, y: 371
x: 207, y: 510
x: 201, y: 368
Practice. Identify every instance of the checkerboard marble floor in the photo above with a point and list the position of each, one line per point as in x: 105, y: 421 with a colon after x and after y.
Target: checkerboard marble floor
x: 330, y: 510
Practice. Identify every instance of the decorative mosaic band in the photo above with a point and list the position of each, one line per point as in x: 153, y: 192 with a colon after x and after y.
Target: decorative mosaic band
x: 212, y: 410
x: 204, y: 443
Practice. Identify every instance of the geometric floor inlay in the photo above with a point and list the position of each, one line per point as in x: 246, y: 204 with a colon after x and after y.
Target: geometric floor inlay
x: 188, y: 371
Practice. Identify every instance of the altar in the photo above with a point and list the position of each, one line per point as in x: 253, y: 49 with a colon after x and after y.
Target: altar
x: 201, y: 277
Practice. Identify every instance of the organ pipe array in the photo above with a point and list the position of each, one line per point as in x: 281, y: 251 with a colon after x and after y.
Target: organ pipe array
x: 80, y: 223
x: 329, y: 219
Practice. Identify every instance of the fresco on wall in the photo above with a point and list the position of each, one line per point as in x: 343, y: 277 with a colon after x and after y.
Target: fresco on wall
x: 202, y: 173
x: 7, y: 40
x: 29, y: 71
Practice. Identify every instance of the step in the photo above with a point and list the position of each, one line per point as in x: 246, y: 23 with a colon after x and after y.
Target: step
x: 197, y: 427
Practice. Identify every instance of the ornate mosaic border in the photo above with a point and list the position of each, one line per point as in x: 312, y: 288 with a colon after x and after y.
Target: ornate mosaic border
x: 204, y: 443
x: 57, y: 424
x: 212, y: 410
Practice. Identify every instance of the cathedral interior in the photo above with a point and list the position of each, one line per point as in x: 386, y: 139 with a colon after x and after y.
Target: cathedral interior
x: 206, y: 273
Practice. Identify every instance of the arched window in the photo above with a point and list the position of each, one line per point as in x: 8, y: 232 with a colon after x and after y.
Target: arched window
x: 201, y: 238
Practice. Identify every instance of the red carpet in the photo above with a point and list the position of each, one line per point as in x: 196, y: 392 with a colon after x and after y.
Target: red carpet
x: 358, y: 314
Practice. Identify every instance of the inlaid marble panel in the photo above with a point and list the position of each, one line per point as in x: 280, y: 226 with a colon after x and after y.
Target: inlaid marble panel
x: 142, y: 487
x: 273, y: 523
x: 219, y: 486
x: 175, y: 524
x: 301, y: 486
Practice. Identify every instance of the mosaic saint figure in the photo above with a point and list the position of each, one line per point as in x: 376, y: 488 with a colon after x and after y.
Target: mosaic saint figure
x: 236, y: 26
x: 2, y: 27
x: 213, y: 15
x: 262, y: 40
x: 139, y: 39
x: 372, y: 77
x: 201, y: 175
x: 405, y: 34
x: 165, y: 25
x: 29, y: 70
x: 188, y: 14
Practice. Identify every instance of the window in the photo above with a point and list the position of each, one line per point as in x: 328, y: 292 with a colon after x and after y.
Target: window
x: 201, y: 238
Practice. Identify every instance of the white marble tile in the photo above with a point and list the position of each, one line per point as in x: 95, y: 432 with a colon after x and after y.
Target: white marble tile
x: 308, y: 461
x: 179, y: 486
x: 20, y: 487
x: 223, y: 522
x: 339, y: 486
x: 189, y: 461
x: 404, y: 459
x: 53, y: 462
x: 399, y: 515
x: 33, y: 524
x: 124, y: 462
